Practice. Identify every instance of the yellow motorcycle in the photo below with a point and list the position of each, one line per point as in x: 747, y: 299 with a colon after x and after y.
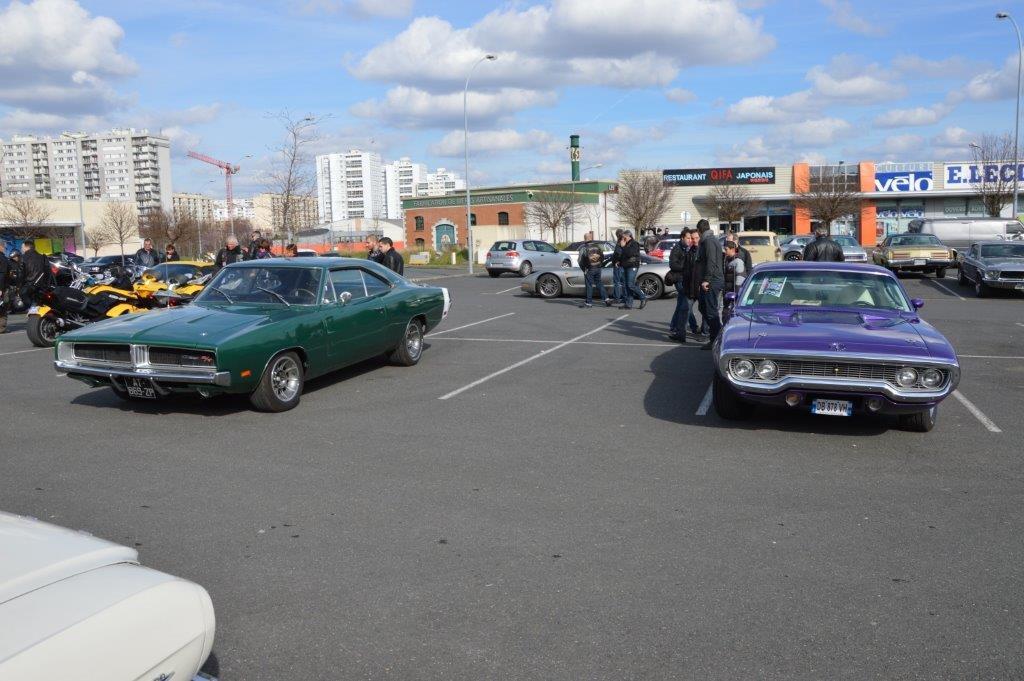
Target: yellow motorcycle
x: 62, y: 308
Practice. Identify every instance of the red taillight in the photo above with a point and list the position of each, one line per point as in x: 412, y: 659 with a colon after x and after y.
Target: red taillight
x: 53, y: 268
x: 512, y: 254
x: 48, y: 296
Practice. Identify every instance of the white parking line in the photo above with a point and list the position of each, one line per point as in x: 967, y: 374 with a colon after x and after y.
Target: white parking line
x: 705, y: 404
x: 988, y: 357
x: 466, y: 326
x: 1019, y: 324
x: 18, y: 352
x: 978, y: 414
x: 938, y: 283
x: 498, y: 293
x: 529, y: 359
x: 555, y: 342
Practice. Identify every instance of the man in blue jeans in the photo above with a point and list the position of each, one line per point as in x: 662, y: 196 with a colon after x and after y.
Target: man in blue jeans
x: 711, y: 268
x: 617, y: 273
x: 630, y: 260
x: 590, y: 258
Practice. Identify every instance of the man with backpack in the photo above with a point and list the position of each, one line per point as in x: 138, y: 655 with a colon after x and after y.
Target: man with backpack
x: 590, y: 258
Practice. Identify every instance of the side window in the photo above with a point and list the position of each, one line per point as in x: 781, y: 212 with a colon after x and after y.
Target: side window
x: 974, y: 251
x: 544, y: 248
x: 419, y: 223
x: 350, y: 281
x: 472, y: 219
x: 529, y: 245
x: 374, y: 284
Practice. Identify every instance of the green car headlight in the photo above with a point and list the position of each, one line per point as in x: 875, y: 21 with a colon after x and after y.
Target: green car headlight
x: 743, y: 369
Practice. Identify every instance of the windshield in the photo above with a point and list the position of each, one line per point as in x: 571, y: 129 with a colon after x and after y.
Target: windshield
x: 755, y: 240
x: 265, y: 285
x: 846, y: 241
x: 1002, y: 251
x: 915, y: 240
x: 825, y: 289
x: 176, y: 270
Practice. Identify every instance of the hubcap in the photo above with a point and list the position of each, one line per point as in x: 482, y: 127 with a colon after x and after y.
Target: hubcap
x: 414, y: 340
x: 48, y: 329
x: 284, y: 379
x: 549, y: 286
x: 648, y: 286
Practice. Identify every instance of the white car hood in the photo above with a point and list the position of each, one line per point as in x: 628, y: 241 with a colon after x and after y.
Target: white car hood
x: 34, y: 554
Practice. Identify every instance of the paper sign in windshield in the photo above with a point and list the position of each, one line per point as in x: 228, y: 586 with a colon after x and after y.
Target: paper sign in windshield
x: 772, y: 287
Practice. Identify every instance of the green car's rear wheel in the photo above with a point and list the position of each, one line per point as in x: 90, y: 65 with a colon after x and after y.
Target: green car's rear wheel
x: 410, y: 350
x: 281, y: 385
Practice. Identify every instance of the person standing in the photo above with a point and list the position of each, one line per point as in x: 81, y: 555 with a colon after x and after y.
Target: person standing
x: 171, y: 254
x: 5, y: 303
x: 391, y: 258
x: 35, y: 270
x: 231, y: 253
x: 262, y: 250
x: 630, y: 261
x: 590, y: 258
x: 254, y: 244
x: 376, y: 253
x: 147, y: 256
x: 823, y: 248
x: 711, y: 275
x: 14, y: 281
x: 677, y: 266
x: 291, y: 251
x: 617, y: 268
x: 734, y: 269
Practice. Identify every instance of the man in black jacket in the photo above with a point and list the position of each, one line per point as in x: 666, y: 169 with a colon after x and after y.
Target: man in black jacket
x: 5, y: 268
x: 630, y: 262
x: 617, y: 268
x: 590, y: 257
x: 147, y: 256
x: 711, y: 274
x: 254, y: 245
x: 35, y: 270
x: 231, y: 253
x: 391, y: 258
x: 823, y: 248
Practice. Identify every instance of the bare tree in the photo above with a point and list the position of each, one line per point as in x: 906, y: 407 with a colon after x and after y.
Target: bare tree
x: 25, y: 215
x: 120, y: 224
x: 995, y: 188
x: 733, y: 202
x: 549, y: 210
x: 165, y: 227
x: 830, y: 196
x: 642, y: 200
x: 291, y: 175
x: 98, y: 238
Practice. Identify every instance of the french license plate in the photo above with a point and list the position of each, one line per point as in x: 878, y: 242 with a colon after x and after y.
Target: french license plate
x: 919, y: 263
x: 832, y: 407
x: 140, y: 387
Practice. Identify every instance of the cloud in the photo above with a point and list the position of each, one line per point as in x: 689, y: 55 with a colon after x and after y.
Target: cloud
x: 409, y: 107
x: 916, y: 116
x: 994, y: 84
x: 815, y: 132
x: 770, y: 109
x: 844, y: 16
x: 955, y: 67
x: 391, y: 9
x: 952, y: 143
x: 901, y: 144
x: 483, y: 141
x: 679, y: 95
x: 56, y: 58
x: 625, y: 134
x: 179, y: 39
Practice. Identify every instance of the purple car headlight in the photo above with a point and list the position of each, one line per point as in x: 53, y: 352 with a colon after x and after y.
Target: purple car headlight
x: 743, y: 369
x: 767, y: 370
x: 906, y: 377
x: 931, y: 378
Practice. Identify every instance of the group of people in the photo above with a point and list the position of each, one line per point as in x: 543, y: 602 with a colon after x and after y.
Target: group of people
x: 20, y: 273
x: 382, y: 251
x: 625, y: 262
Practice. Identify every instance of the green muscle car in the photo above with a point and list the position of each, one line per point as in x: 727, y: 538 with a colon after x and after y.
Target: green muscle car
x: 260, y: 328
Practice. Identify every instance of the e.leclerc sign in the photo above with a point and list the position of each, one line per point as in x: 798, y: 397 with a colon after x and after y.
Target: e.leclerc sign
x: 967, y: 174
x: 905, y: 181
x: 696, y: 177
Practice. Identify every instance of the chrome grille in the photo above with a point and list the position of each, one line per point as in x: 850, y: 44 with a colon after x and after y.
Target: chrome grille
x: 99, y: 352
x: 182, y: 357
x: 1012, y: 276
x: 843, y: 370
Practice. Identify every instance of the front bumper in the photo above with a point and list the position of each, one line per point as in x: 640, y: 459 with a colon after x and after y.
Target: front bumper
x: 859, y: 400
x: 915, y: 264
x: 106, y: 374
x: 1008, y: 284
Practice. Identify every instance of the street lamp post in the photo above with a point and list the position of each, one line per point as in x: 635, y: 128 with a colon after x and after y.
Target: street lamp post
x: 81, y: 189
x: 1016, y: 117
x: 572, y: 199
x: 465, y: 121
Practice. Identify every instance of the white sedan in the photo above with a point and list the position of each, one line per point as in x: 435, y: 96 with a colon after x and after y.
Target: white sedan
x: 76, y: 607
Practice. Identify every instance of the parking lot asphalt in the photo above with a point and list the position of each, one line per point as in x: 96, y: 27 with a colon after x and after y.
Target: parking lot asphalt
x: 522, y: 506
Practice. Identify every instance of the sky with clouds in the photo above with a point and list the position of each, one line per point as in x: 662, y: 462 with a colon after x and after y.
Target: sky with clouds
x: 646, y: 83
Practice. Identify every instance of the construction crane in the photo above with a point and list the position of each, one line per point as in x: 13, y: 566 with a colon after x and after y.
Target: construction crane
x: 229, y: 170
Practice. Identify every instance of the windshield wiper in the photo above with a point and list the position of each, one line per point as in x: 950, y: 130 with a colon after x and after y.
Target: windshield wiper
x: 273, y: 293
x: 226, y: 296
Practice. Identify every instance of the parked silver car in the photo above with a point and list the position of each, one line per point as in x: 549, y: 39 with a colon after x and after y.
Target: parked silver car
x: 993, y: 264
x: 852, y: 251
x: 793, y: 249
x: 523, y: 256
x: 650, y: 278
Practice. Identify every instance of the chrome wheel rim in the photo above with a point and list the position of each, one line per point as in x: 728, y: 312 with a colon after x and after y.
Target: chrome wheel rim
x: 414, y: 340
x: 549, y: 287
x: 527, y: 268
x: 284, y: 379
x: 48, y: 329
x: 648, y: 286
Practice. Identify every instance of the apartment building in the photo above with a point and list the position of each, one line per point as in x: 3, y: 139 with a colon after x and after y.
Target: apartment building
x: 245, y: 209
x: 400, y: 180
x: 119, y: 165
x: 440, y: 182
x: 350, y: 185
x: 268, y: 214
x: 199, y: 206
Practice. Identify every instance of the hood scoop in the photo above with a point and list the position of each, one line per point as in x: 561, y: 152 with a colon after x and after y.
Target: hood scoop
x: 795, y: 318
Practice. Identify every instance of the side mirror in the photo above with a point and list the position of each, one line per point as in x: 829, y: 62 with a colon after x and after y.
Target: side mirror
x: 917, y: 303
x: 730, y: 297
x: 345, y: 298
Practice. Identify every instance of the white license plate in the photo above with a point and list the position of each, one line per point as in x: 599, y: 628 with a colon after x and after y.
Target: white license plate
x: 34, y: 309
x: 832, y: 408
x: 919, y: 263
x: 138, y: 387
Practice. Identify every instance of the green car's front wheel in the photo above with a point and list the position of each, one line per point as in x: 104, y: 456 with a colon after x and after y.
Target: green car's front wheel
x: 410, y: 349
x: 280, y: 387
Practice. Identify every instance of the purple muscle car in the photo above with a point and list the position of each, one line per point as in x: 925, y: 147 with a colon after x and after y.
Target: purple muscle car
x: 833, y: 339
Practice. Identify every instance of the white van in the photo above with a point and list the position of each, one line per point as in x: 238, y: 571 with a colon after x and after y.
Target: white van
x: 960, y: 233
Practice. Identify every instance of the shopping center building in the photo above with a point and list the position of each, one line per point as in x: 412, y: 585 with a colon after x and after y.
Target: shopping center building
x: 891, y: 194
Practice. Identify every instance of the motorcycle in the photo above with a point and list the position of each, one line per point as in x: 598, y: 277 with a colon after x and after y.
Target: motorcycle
x: 85, y: 300
x: 179, y: 291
